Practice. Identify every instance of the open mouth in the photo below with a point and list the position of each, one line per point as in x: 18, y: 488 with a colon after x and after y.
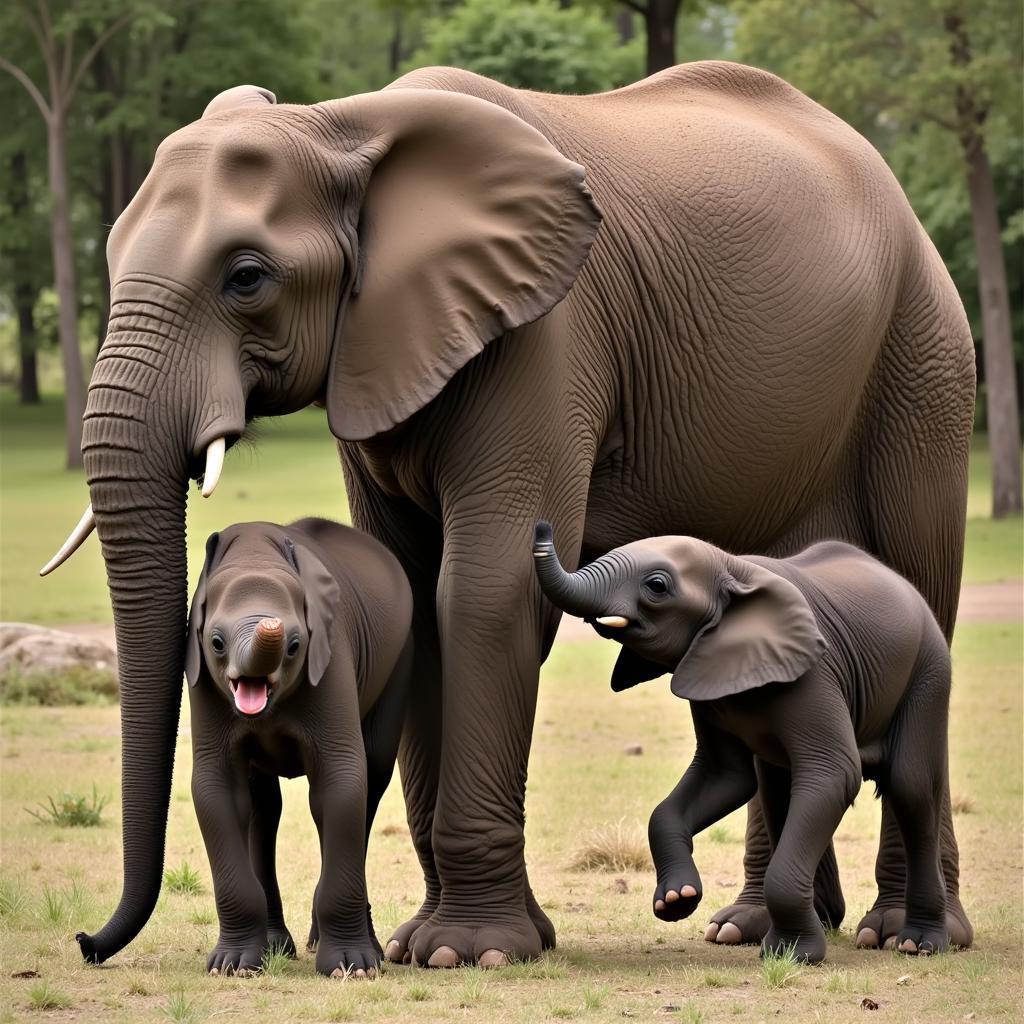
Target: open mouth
x: 251, y: 695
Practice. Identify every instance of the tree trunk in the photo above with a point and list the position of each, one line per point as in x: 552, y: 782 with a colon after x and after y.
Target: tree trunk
x: 64, y: 275
x: 1002, y: 408
x: 395, y: 45
x: 660, y: 19
x: 24, y: 289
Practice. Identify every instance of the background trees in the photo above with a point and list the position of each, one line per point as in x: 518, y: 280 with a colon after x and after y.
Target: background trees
x: 935, y: 84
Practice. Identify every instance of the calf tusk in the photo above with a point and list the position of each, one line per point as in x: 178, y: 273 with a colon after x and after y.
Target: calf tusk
x: 214, y: 464
x: 615, y: 621
x: 85, y: 526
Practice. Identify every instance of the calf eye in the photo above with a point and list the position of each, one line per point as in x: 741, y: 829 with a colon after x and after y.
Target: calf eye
x: 217, y: 643
x: 246, y: 278
x: 293, y: 647
x: 656, y: 585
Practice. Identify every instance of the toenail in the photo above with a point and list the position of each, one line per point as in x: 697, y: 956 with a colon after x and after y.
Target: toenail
x: 443, y: 956
x: 710, y: 932
x: 492, y: 958
x: 688, y: 890
x: 890, y: 943
x: 671, y: 896
x: 729, y: 934
x: 393, y: 950
x: 659, y: 904
x: 867, y: 938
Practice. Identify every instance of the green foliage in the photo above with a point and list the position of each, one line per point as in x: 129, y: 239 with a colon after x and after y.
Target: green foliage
x: 184, y: 880
x: 70, y: 687
x: 12, y: 898
x: 180, y: 1009
x: 72, y: 810
x: 532, y: 45
x: 780, y: 969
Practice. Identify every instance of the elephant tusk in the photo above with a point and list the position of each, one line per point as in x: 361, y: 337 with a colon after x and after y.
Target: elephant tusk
x: 615, y: 621
x: 85, y: 526
x: 214, y: 464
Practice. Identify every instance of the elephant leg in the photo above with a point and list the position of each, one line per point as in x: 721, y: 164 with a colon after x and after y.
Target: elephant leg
x: 913, y: 479
x: 265, y: 792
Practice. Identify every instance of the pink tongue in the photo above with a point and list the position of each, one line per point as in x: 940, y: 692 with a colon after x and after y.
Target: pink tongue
x: 251, y: 696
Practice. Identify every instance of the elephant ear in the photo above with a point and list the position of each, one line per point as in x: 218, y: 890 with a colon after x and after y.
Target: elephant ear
x: 239, y: 96
x: 323, y: 595
x: 197, y: 616
x: 472, y: 224
x: 631, y: 669
x: 763, y: 631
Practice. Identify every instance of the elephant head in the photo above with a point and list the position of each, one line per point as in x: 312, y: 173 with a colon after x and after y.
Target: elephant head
x: 720, y: 624
x: 260, y: 622
x: 357, y: 252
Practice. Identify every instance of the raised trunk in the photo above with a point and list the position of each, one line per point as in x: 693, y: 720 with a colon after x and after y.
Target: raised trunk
x: 575, y: 592
x: 264, y: 650
x: 136, y: 465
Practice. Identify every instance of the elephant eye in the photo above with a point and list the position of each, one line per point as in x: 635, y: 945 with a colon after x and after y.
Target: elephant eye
x: 217, y: 643
x: 656, y: 585
x: 246, y: 278
x: 293, y: 647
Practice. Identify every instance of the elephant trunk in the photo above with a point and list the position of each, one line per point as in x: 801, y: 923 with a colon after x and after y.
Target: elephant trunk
x: 263, y: 652
x: 573, y: 592
x: 136, y: 463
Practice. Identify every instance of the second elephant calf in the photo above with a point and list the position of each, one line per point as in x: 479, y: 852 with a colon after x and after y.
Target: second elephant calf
x: 804, y: 675
x: 298, y: 656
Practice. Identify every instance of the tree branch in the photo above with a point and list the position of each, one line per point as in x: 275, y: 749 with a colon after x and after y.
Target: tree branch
x: 30, y: 86
x: 101, y: 40
x: 640, y: 9
x: 35, y: 26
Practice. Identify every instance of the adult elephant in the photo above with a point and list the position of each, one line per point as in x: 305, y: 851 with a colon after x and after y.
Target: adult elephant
x: 759, y: 347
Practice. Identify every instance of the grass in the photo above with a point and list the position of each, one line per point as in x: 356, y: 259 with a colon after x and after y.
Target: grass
x: 72, y: 811
x: 613, y: 847
x: 780, y: 969
x: 68, y: 688
x: 42, y: 501
x: 184, y: 880
x: 43, y: 996
x: 612, y: 956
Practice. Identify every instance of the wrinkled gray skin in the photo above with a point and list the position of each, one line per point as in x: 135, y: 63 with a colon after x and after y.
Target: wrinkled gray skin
x: 298, y: 657
x: 804, y: 675
x: 734, y: 328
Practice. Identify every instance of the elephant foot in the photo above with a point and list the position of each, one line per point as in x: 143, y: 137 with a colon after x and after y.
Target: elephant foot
x: 355, y: 959
x: 443, y: 941
x: 808, y: 946
x: 399, y: 947
x: 241, y: 958
x: 739, y: 924
x: 922, y: 940
x: 676, y: 898
x: 541, y: 921
x: 881, y: 927
x: 279, y: 940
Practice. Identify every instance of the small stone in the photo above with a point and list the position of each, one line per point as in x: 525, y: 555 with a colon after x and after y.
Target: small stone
x: 669, y: 1008
x: 970, y: 1016
x: 725, y: 883
x: 633, y: 750
x: 867, y: 1003
x: 35, y: 974
x: 620, y: 885
x: 903, y: 979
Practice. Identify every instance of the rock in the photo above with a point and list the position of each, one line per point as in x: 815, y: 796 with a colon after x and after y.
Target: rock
x: 25, y: 648
x: 867, y: 1003
x: 633, y: 750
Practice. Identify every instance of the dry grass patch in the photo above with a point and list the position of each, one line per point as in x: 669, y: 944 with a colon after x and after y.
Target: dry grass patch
x: 617, y: 846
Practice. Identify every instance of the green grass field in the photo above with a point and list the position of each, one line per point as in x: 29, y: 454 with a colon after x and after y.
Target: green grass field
x: 614, y: 962
x: 292, y: 470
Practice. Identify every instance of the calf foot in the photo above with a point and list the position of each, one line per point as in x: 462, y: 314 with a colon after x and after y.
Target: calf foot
x: 242, y: 957
x: 354, y: 959
x: 922, y: 940
x: 739, y: 924
x: 279, y: 940
x: 445, y: 940
x: 677, y: 895
x: 808, y: 946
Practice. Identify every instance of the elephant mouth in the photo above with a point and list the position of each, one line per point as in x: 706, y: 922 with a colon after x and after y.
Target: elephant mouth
x: 251, y: 694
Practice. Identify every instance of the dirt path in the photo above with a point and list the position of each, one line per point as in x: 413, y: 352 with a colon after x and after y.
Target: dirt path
x: 979, y: 602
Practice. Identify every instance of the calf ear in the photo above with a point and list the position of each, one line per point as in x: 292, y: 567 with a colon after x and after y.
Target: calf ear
x: 197, y: 616
x: 631, y: 669
x: 323, y: 596
x: 763, y: 631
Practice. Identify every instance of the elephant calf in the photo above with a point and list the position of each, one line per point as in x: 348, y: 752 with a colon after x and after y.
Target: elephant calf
x: 825, y: 667
x: 297, y: 659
